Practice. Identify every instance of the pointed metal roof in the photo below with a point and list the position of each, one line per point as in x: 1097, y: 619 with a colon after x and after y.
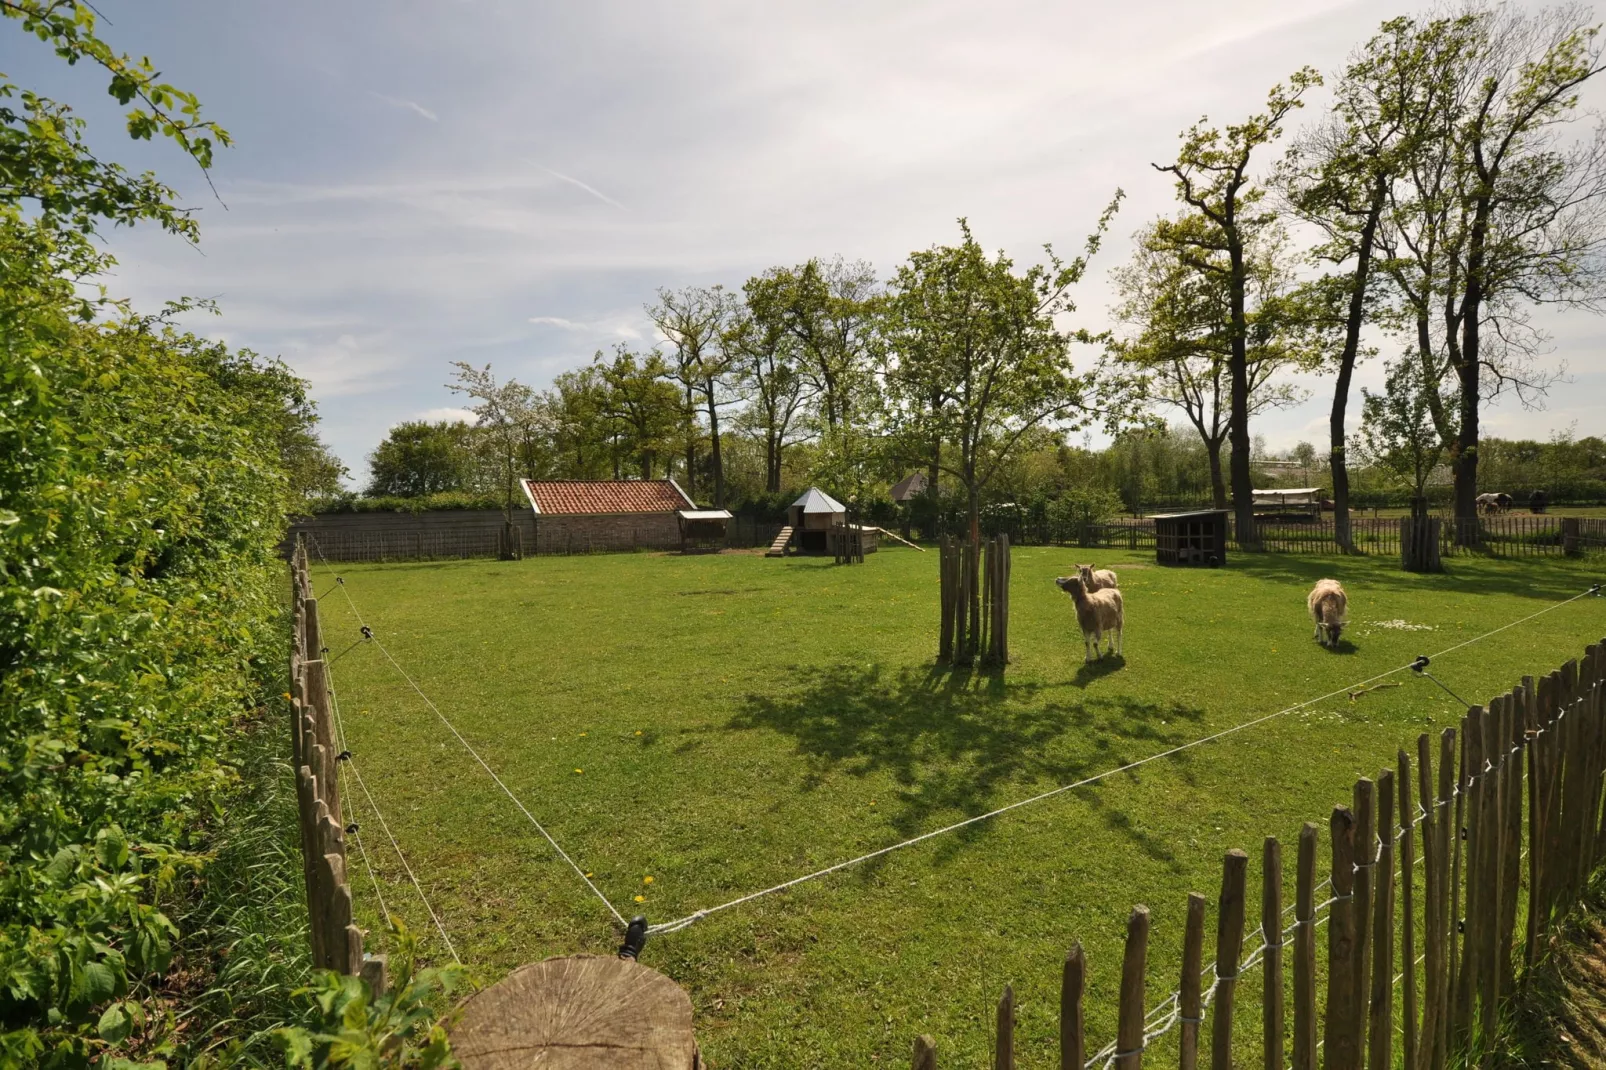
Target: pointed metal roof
x: 815, y: 500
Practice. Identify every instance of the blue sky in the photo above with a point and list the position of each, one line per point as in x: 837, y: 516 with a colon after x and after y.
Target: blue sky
x: 510, y: 182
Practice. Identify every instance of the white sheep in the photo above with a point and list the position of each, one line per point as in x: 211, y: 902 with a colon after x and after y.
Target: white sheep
x: 1096, y: 579
x: 1097, y: 612
x: 1328, y: 603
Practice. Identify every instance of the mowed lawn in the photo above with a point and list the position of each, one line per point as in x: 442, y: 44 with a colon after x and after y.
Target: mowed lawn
x: 692, y: 729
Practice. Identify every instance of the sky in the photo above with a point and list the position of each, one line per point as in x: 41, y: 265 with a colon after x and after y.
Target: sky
x: 509, y: 183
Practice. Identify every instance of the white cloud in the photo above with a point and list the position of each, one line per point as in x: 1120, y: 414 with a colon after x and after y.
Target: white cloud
x: 448, y: 415
x: 370, y: 260
x: 599, y: 195
x: 412, y: 106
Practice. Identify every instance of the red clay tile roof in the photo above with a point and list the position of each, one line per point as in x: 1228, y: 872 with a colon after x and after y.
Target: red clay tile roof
x: 582, y: 496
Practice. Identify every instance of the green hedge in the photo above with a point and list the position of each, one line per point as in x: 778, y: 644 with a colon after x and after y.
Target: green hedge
x: 141, y: 619
x: 443, y: 500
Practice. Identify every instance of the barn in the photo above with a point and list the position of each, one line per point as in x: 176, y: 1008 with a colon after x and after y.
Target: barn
x: 585, y: 515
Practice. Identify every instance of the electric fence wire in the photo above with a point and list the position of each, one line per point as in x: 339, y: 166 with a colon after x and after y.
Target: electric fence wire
x: 369, y: 633
x: 696, y: 916
x: 349, y: 761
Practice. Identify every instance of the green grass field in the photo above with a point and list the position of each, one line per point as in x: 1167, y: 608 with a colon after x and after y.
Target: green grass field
x: 719, y: 724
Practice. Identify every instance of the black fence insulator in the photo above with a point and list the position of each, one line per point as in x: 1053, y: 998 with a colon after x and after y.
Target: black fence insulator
x: 1422, y: 662
x: 635, y: 938
x: 367, y: 632
x: 343, y: 756
x: 351, y: 829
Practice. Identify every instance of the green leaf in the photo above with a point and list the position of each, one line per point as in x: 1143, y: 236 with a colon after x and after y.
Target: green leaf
x: 96, y: 983
x: 114, y: 1025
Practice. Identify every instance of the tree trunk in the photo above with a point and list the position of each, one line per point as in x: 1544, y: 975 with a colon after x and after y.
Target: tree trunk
x: 1346, y: 368
x: 973, y: 563
x: 1467, y: 374
x: 1218, y: 482
x: 934, y: 469
x: 1243, y: 489
x: 714, y: 457
x: 691, y: 444
x: 772, y: 463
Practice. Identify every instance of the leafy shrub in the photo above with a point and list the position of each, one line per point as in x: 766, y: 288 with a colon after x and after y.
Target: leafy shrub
x: 141, y: 497
x: 445, y: 500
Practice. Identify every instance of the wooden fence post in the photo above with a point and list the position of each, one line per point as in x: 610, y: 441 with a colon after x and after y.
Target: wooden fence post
x: 1190, y: 1006
x: 1271, y: 925
x: 1004, y: 1049
x: 1229, y: 946
x: 1365, y: 858
x: 1380, y: 1016
x: 1073, y: 986
x: 1341, y: 1029
x: 925, y: 1053
x: 1129, y: 1032
x: 1305, y: 951
x: 1408, y: 910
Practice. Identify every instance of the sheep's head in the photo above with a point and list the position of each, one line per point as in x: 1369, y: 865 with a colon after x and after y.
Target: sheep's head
x: 1085, y: 573
x: 1071, y: 585
x: 1333, y: 631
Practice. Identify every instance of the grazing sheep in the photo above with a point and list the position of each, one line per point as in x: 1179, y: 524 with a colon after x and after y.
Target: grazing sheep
x: 1096, y: 579
x: 1328, y: 603
x: 1097, y: 612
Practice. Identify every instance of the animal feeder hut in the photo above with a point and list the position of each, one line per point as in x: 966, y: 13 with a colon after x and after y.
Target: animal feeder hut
x: 1196, y: 538
x: 702, y: 530
x: 1290, y: 503
x: 818, y: 520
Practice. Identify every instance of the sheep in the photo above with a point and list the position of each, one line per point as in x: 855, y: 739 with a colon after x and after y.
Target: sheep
x: 1097, y: 612
x: 1096, y: 579
x: 1328, y: 604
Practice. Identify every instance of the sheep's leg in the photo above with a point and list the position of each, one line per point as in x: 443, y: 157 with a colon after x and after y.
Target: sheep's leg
x: 1087, y: 646
x: 1118, y: 642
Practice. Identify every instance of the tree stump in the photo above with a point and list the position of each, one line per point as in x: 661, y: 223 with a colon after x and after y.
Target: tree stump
x: 580, y: 1012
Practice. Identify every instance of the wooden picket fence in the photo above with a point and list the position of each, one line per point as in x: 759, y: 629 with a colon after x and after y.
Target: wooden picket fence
x: 974, y: 585
x: 1511, y: 831
x: 337, y: 943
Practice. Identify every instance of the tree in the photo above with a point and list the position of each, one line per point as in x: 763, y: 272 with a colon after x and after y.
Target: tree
x: 765, y: 362
x: 508, y: 423
x: 1398, y: 436
x: 983, y: 336
x: 1182, y: 344
x: 418, y: 457
x: 642, y: 410
x: 829, y: 308
x: 695, y: 321
x: 1212, y: 176
x: 1532, y: 206
x: 581, y: 443
x: 1339, y: 175
x: 1498, y: 212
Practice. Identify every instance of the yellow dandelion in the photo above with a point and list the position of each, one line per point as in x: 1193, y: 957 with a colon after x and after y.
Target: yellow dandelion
x: 638, y: 731
x: 591, y: 874
x: 582, y: 735
x: 646, y: 880
x: 287, y: 694
x: 579, y: 770
x: 641, y: 899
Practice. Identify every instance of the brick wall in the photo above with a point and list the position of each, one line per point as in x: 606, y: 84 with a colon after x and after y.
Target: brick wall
x: 588, y: 534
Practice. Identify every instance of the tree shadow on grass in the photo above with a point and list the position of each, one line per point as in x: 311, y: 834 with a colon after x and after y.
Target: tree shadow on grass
x: 1526, y: 578
x: 959, y: 744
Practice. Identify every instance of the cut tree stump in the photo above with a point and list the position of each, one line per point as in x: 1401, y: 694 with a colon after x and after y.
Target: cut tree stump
x: 579, y: 1012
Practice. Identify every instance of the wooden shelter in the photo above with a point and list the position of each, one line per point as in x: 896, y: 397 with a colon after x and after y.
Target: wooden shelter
x: 702, y: 530
x: 1195, y: 538
x: 818, y: 522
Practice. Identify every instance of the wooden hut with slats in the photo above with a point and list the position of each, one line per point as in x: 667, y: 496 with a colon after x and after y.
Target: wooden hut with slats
x: 1194, y: 538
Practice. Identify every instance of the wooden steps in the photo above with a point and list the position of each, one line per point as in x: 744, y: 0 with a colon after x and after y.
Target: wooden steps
x: 778, y: 547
